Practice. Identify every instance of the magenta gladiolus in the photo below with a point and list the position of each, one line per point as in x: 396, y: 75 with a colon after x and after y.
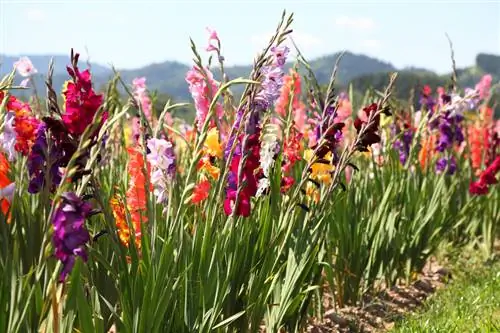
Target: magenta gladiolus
x: 203, y: 91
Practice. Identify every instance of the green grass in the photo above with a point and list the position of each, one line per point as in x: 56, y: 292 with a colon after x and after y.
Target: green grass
x: 470, y: 303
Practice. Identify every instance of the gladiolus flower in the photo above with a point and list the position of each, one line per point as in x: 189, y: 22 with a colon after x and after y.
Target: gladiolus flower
x: 212, y: 145
x: 478, y: 140
x: 8, y: 136
x: 38, y: 162
x: 426, y: 152
x: 162, y: 160
x: 322, y: 169
x: 291, y: 86
x: 203, y: 91
x: 243, y: 207
x: 142, y: 98
x: 426, y: 100
x: 286, y: 183
x: 370, y: 135
x: 484, y: 86
x: 81, y: 102
x: 25, y: 67
x: 486, y: 179
x: 312, y: 192
x: 70, y: 234
x: 136, y: 193
x: 7, y: 187
x: 206, y: 165
x: 200, y: 191
x: 403, y: 144
x: 212, y: 38
x: 118, y: 209
x: 24, y: 124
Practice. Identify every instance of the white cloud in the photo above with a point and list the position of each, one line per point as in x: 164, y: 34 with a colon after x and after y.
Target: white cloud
x: 372, y: 44
x: 305, y: 40
x: 35, y: 15
x: 359, y: 23
x: 302, y: 39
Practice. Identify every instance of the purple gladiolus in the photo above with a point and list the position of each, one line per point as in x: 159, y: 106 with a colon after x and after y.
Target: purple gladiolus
x: 403, y: 144
x: 449, y: 164
x: 70, y: 234
x: 37, y: 162
x: 162, y: 159
x: 273, y: 78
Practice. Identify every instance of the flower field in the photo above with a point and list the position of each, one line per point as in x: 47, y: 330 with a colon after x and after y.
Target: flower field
x: 243, y: 221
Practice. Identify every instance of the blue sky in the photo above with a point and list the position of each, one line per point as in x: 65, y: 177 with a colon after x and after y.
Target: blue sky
x: 131, y: 34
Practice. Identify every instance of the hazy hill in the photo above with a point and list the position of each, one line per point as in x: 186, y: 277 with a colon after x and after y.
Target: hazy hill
x: 41, y: 63
x: 416, y: 79
x: 410, y: 78
x: 168, y: 77
x: 362, y: 71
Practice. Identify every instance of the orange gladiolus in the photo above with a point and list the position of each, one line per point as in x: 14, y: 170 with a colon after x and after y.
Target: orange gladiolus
x: 291, y: 86
x: 427, y: 151
x: 136, y: 193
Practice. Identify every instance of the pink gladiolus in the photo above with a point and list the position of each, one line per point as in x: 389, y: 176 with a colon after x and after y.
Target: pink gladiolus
x: 139, y: 84
x: 212, y: 37
x: 203, y: 94
x: 141, y: 96
x: 300, y: 118
x: 483, y: 86
x: 136, y: 129
x: 344, y: 110
x: 441, y: 92
x: 348, y: 174
x: 24, y: 67
x: 362, y: 115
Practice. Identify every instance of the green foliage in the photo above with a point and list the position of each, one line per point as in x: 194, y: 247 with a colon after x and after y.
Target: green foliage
x: 470, y: 303
x: 201, y: 269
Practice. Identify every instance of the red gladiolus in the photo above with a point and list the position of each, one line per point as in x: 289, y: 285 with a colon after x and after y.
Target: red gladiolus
x: 81, y: 102
x: 286, y: 183
x: 370, y: 135
x: 243, y: 207
x: 486, y: 178
x: 478, y: 188
x: 291, y: 154
x: 6, y: 186
x: 200, y: 191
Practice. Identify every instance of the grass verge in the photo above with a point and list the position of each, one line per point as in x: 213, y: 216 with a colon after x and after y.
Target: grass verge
x: 470, y: 303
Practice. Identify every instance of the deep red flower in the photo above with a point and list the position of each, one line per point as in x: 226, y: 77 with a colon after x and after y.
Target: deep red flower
x: 486, y: 178
x: 370, y: 135
x: 243, y: 207
x: 478, y: 188
x: 286, y: 183
x: 81, y: 102
x: 291, y: 154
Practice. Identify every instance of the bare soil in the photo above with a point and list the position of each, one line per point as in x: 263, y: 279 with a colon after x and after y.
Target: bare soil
x: 379, y: 312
